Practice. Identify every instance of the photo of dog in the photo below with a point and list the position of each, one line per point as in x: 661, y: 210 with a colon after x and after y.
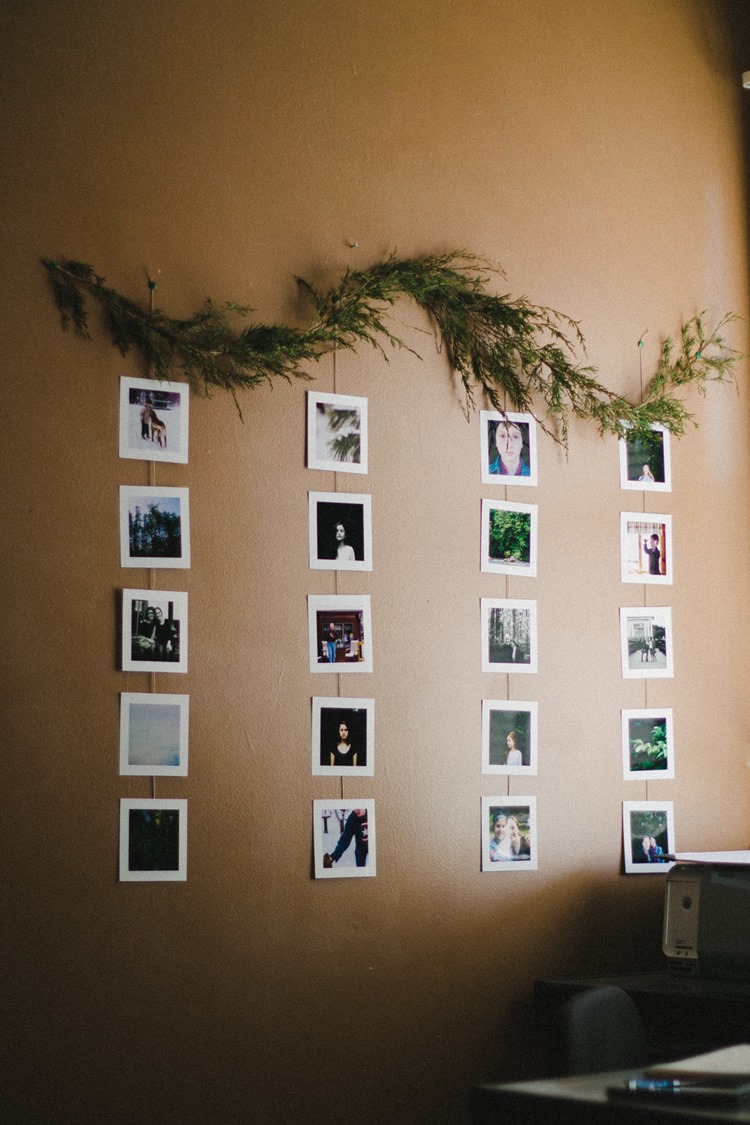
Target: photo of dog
x: 158, y: 428
x: 154, y: 419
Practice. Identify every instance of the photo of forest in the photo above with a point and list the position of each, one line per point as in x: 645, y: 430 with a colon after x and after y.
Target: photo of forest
x: 155, y: 528
x: 509, y: 536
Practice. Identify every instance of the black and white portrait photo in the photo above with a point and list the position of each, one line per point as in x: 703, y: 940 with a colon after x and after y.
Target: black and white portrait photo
x: 508, y: 635
x: 340, y: 531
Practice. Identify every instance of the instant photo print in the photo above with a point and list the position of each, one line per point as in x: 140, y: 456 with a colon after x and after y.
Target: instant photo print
x: 340, y: 531
x: 153, y: 840
x: 646, y: 642
x: 339, y: 633
x: 343, y: 737
x: 509, y: 538
x: 647, y: 744
x: 646, y: 548
x: 508, y: 448
x: 336, y: 432
x: 645, y: 464
x: 647, y: 836
x: 154, y: 631
x: 508, y: 629
x: 154, y: 527
x: 154, y: 420
x: 509, y: 737
x: 344, y: 839
x: 509, y: 834
x: 153, y: 734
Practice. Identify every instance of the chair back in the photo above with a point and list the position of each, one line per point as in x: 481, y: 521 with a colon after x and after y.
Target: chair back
x: 602, y: 1030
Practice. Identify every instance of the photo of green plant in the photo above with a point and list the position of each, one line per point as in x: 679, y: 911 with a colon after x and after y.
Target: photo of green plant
x: 647, y: 749
x: 509, y: 538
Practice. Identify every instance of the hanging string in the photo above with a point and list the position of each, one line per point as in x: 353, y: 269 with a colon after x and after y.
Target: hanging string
x: 152, y: 482
x: 337, y: 588
x: 643, y: 507
x: 507, y: 596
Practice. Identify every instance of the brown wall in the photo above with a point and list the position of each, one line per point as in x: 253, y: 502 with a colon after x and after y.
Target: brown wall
x: 592, y: 149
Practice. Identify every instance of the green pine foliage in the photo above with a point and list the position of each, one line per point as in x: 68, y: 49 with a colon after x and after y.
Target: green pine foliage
x: 514, y: 354
x: 509, y: 536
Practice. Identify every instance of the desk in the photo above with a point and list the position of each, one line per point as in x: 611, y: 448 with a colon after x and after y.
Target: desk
x: 682, y: 1015
x: 583, y: 1101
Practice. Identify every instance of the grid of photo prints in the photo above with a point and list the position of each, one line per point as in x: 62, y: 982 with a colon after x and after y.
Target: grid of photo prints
x: 154, y: 535
x: 508, y: 631
x: 647, y: 651
x: 340, y: 639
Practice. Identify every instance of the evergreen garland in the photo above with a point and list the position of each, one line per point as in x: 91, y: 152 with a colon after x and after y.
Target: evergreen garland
x: 515, y: 353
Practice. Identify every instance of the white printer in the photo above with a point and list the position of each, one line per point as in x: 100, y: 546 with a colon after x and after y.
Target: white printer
x: 707, y: 915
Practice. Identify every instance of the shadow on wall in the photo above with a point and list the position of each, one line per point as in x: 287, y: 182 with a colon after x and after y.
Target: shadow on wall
x: 584, y: 926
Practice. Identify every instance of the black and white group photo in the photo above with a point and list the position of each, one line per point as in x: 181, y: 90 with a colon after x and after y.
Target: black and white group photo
x: 154, y: 631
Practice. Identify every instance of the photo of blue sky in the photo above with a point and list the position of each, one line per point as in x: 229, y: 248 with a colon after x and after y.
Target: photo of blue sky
x: 154, y: 734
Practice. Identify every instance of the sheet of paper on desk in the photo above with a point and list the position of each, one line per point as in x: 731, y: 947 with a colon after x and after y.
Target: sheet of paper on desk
x: 742, y: 857
x: 726, y: 1063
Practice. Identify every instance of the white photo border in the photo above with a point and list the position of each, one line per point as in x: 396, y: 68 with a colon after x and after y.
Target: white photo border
x: 661, y: 616
x: 510, y: 707
x: 486, y: 419
x: 342, y: 703
x: 508, y: 804
x: 359, y: 499
x: 158, y: 598
x: 505, y: 566
x: 345, y: 807
x: 653, y: 519
x: 128, y: 699
x: 647, y: 868
x: 647, y: 713
x: 334, y: 604
x: 486, y: 607
x: 343, y: 402
x: 161, y: 875
x: 131, y: 492
x: 646, y: 485
x: 153, y: 451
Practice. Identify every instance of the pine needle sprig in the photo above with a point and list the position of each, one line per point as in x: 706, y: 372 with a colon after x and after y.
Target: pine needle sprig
x: 205, y: 347
x: 512, y: 352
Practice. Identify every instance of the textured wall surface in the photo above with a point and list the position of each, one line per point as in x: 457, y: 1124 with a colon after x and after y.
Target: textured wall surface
x: 595, y: 152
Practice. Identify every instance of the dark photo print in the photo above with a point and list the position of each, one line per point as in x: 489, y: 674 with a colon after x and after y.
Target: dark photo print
x: 153, y: 840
